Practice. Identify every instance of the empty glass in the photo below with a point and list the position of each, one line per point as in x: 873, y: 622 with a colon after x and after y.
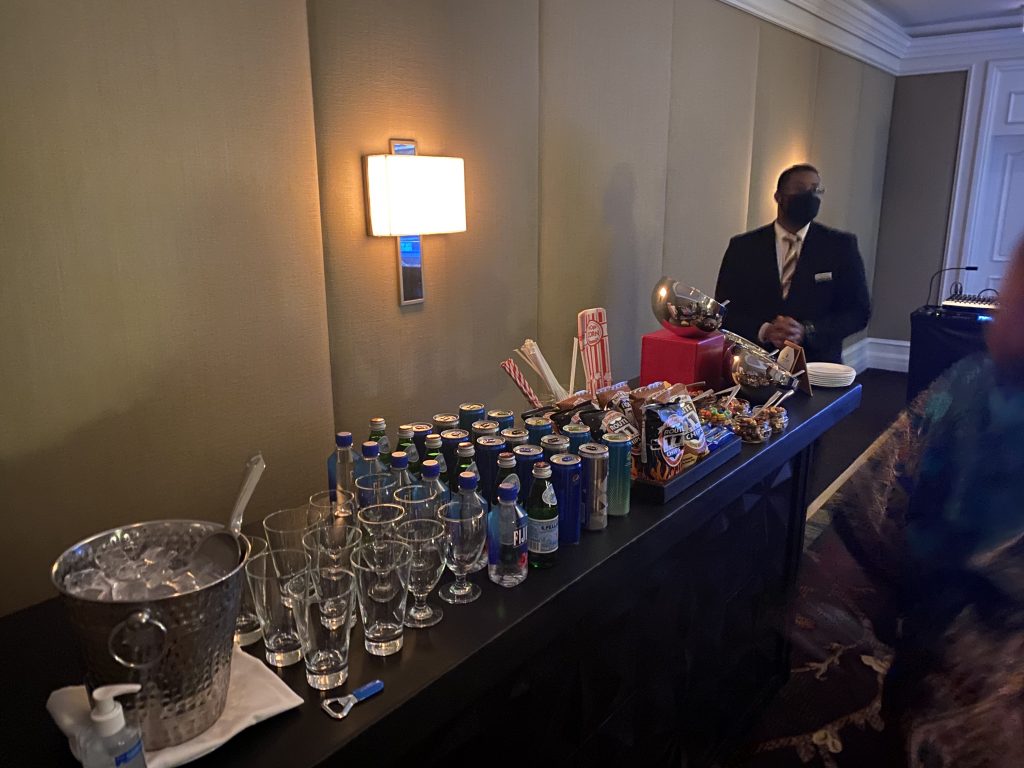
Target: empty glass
x: 323, y: 616
x: 464, y: 539
x: 426, y: 540
x: 286, y: 527
x: 382, y: 585
x: 419, y: 501
x: 247, y: 625
x: 331, y: 544
x: 374, y: 489
x: 379, y: 522
x: 275, y: 578
x: 342, y: 505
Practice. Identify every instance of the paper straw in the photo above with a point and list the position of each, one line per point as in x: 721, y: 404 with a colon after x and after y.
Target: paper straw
x: 532, y: 351
x: 520, y: 381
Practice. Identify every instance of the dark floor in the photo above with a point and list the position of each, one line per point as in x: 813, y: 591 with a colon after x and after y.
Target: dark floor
x: 883, y: 397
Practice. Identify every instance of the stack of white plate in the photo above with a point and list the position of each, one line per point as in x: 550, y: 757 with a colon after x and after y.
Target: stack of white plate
x: 830, y: 374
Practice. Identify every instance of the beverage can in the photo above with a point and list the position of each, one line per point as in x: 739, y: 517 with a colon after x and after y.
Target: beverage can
x: 515, y: 436
x: 450, y: 440
x: 470, y: 412
x: 481, y: 428
x: 526, y: 457
x: 578, y: 434
x: 620, y: 472
x: 537, y: 427
x: 566, y: 476
x: 594, y: 458
x: 552, y: 444
x: 443, y: 421
x: 505, y: 419
x: 487, y: 449
x: 420, y: 430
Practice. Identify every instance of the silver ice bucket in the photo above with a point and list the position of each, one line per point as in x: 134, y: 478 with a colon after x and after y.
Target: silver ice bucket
x: 177, y: 648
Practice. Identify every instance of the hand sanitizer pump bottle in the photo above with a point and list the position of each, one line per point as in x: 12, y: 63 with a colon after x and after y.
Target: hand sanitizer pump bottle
x: 112, y: 742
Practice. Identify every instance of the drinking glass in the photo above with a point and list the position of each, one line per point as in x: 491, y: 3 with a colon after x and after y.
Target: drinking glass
x: 343, y: 504
x: 426, y: 540
x: 330, y: 550
x: 382, y: 586
x: 418, y: 500
x: 374, y: 489
x: 276, y: 577
x: 464, y: 538
x: 286, y: 527
x: 323, y: 617
x: 379, y: 522
x: 247, y: 625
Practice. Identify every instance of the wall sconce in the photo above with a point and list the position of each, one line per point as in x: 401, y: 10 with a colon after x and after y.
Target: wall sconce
x: 409, y: 195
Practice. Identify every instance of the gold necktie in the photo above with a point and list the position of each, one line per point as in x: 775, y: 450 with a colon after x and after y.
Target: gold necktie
x: 789, y: 263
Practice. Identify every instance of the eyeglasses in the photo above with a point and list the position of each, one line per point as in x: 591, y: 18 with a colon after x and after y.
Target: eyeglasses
x: 818, y: 190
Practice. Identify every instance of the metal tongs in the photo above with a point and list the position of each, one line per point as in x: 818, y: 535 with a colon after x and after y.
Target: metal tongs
x: 339, y: 707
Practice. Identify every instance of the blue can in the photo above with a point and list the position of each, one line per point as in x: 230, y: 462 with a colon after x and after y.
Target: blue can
x: 578, y: 434
x: 566, y: 476
x: 470, y: 412
x: 537, y: 427
x: 526, y: 457
x: 420, y: 430
x: 552, y: 444
x: 515, y: 436
x: 505, y: 419
x: 487, y: 449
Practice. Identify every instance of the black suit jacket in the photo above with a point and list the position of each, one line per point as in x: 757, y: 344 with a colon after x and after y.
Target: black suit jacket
x: 828, y: 290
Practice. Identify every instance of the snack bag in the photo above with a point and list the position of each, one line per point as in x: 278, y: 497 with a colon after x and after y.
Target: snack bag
x: 672, y: 440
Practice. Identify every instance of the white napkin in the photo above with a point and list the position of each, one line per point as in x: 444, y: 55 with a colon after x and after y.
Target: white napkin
x: 255, y: 693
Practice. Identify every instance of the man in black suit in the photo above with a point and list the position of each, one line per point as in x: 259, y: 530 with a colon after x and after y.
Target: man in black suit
x: 795, y: 279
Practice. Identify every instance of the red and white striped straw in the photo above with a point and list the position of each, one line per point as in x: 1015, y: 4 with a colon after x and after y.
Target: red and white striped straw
x: 516, y: 375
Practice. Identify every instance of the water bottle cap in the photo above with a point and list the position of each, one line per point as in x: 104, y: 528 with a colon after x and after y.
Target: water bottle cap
x: 467, y: 481
x: 431, y: 469
x: 507, y: 492
x: 399, y: 459
x: 343, y: 439
x: 371, y: 449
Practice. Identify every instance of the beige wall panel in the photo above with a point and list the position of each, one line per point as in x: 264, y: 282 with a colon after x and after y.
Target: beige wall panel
x: 605, y: 69
x: 714, y: 72
x: 460, y: 77
x: 919, y: 175
x: 162, y: 313
x: 783, y: 116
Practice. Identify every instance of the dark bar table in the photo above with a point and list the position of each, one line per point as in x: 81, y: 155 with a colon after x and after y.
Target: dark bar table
x: 656, y: 640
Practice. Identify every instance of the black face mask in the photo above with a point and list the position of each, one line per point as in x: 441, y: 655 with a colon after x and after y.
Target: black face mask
x: 801, y: 209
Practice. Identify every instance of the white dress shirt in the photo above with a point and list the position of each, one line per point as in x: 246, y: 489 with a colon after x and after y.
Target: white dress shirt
x: 781, y: 249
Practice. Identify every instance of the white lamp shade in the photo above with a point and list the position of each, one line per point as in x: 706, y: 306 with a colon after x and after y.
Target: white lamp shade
x: 415, y: 195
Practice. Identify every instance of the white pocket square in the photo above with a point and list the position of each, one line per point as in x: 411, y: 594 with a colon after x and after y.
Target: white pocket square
x: 822, y: 277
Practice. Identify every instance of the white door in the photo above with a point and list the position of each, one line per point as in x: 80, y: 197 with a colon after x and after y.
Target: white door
x: 999, y: 217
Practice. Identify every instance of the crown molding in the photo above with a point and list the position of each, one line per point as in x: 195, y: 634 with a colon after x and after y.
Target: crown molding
x: 857, y: 29
x: 1009, y: 20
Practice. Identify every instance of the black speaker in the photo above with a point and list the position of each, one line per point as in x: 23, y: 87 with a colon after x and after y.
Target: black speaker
x: 939, y: 337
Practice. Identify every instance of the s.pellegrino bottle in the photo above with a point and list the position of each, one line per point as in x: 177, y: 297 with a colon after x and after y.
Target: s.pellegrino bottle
x: 370, y: 464
x: 467, y: 460
x: 378, y: 433
x: 507, y: 539
x: 432, y: 452
x: 400, y: 468
x: 405, y: 443
x: 542, y: 510
x: 432, y: 479
x: 341, y: 472
x: 473, y: 502
x: 506, y: 474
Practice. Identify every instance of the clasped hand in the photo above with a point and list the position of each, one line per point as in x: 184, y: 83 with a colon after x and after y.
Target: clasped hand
x: 783, y: 329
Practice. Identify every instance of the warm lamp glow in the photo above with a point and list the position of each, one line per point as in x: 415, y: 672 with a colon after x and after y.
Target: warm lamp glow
x: 414, y: 195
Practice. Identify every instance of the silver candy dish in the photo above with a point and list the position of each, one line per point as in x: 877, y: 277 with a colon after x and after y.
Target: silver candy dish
x: 684, y: 310
x: 756, y: 371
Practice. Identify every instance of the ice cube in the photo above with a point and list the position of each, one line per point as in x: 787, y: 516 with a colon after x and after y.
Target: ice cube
x: 130, y: 591
x: 156, y: 591
x: 89, y: 584
x: 157, y: 557
x: 110, y: 559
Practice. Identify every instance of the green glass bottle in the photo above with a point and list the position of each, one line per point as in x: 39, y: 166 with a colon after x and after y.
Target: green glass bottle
x: 542, y: 514
x: 405, y: 443
x: 506, y: 473
x: 378, y: 433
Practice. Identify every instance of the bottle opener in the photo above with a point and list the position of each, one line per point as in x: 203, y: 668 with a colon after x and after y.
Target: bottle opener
x: 339, y: 707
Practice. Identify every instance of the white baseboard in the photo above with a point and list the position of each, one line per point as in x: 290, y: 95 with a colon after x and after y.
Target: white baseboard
x: 882, y: 354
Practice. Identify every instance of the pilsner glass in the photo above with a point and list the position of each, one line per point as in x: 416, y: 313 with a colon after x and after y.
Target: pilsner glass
x: 418, y: 500
x: 323, y: 617
x: 464, y: 540
x: 247, y: 625
x: 426, y: 539
x: 276, y: 577
x: 382, y: 585
x: 374, y: 489
x: 286, y: 527
x: 343, y: 504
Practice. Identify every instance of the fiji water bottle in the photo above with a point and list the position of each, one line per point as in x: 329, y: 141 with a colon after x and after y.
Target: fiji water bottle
x: 473, y: 502
x: 344, y: 467
x: 370, y: 464
x: 432, y: 479
x: 400, y: 468
x: 507, y: 549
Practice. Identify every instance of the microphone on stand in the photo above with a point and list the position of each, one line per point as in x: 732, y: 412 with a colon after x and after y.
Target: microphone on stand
x: 931, y: 283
